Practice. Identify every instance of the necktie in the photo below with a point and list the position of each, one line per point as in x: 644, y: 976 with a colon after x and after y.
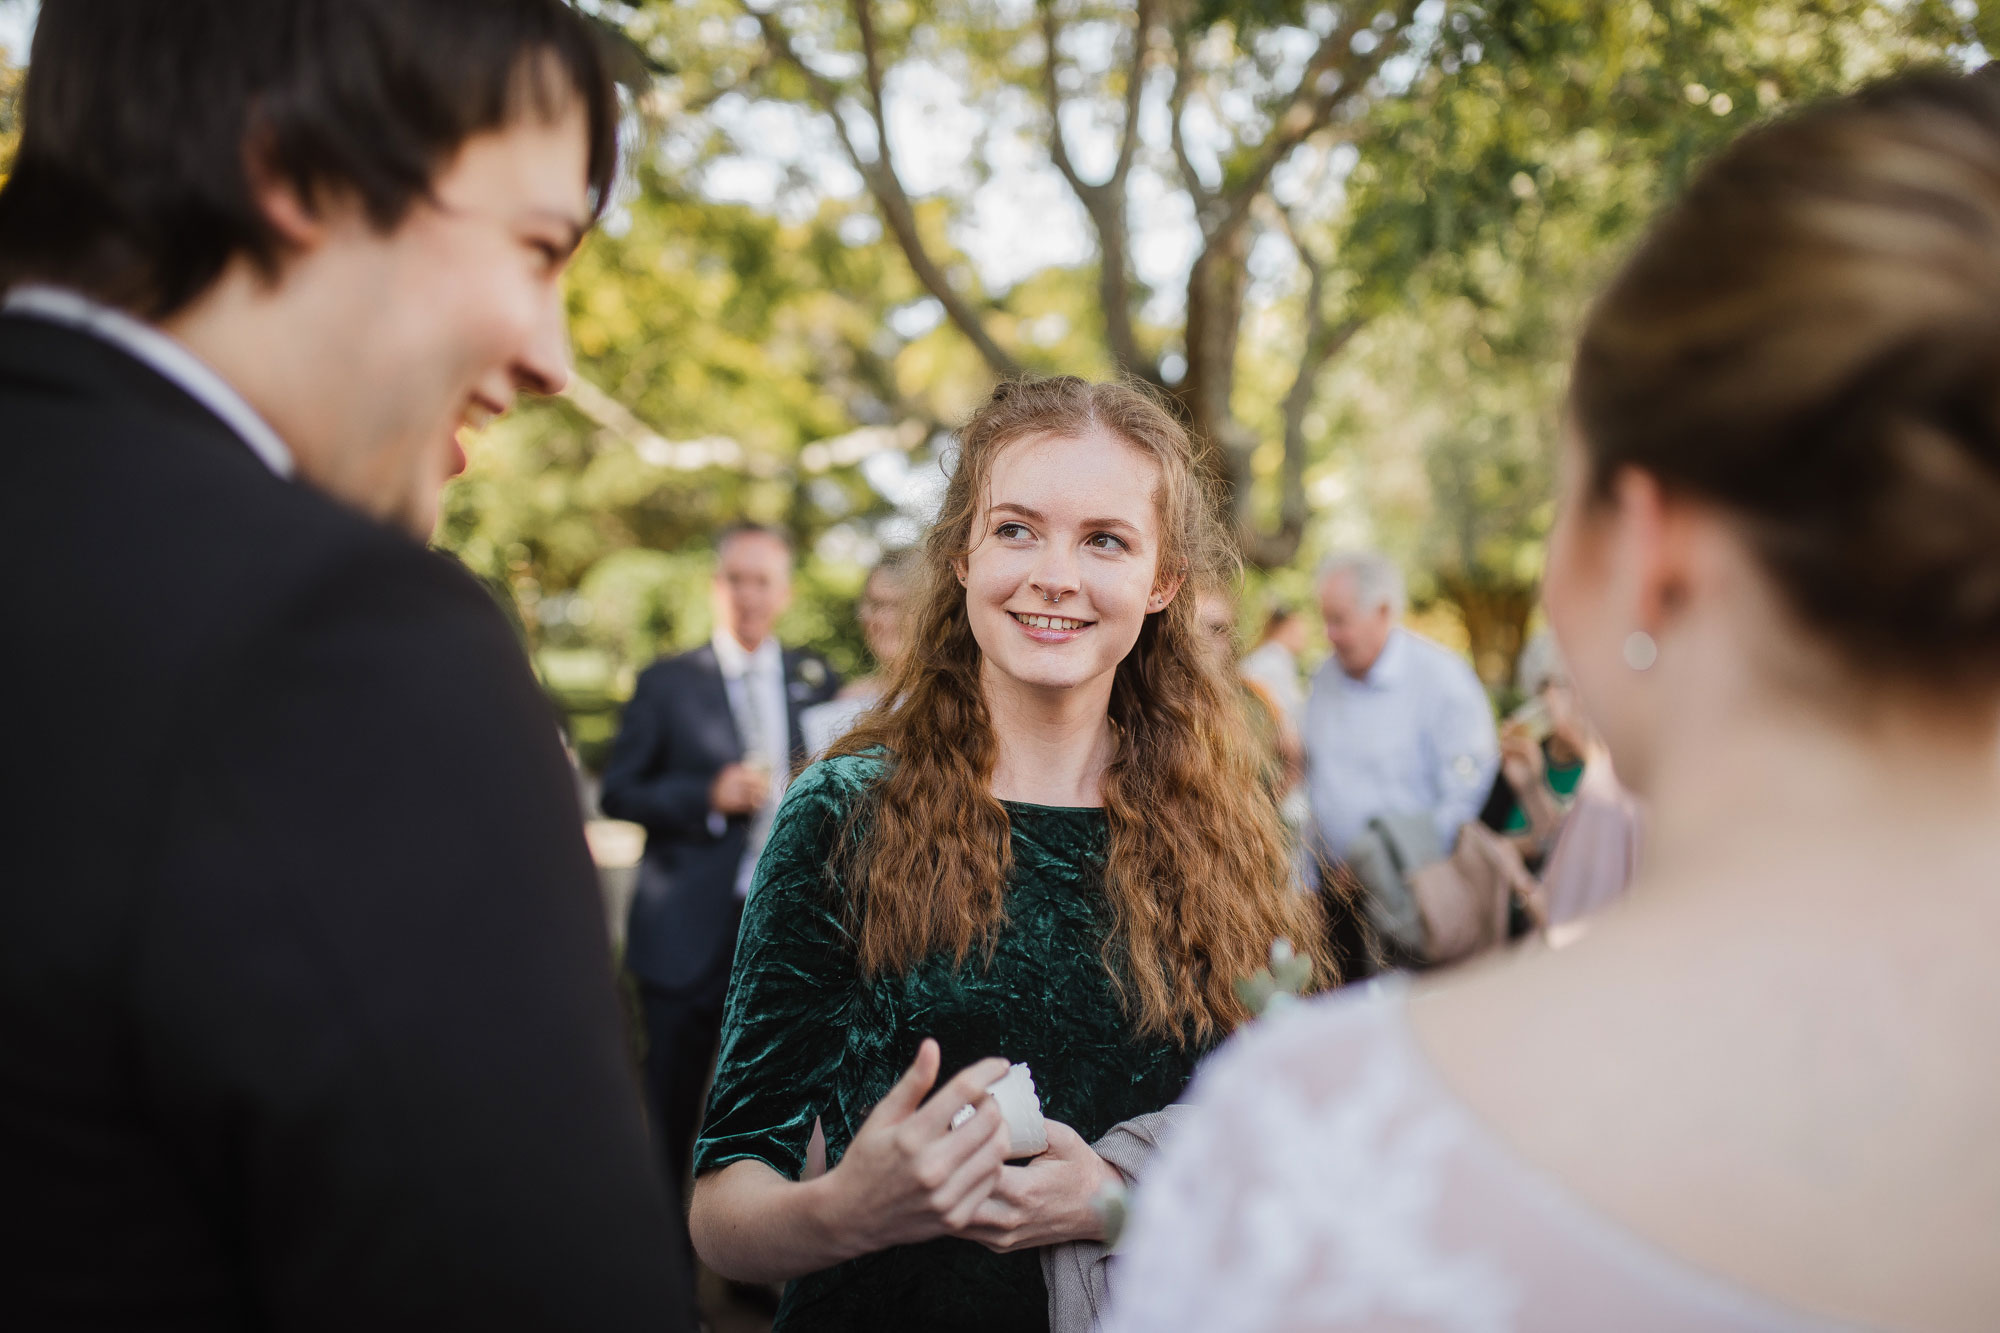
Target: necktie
x: 750, y: 722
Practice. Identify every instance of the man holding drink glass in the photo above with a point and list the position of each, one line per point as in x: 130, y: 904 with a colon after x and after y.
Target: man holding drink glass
x: 701, y: 759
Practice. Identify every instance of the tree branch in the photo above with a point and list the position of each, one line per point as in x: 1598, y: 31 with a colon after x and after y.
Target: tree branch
x: 1325, y: 339
x: 871, y: 64
x: 1105, y: 203
x: 1203, y: 197
x: 880, y: 175
x: 1332, y: 78
x: 1135, y: 87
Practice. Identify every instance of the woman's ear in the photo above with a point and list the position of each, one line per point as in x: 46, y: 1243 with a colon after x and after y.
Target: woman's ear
x: 1656, y: 556
x: 1165, y: 590
x: 960, y: 568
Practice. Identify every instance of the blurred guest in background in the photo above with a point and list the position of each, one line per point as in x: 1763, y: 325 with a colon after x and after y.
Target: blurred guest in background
x: 1544, y: 745
x: 1596, y: 850
x: 1050, y: 847
x: 1558, y: 797
x: 1274, y: 662
x: 1759, y: 1094
x: 1396, y: 724
x: 700, y: 761
x: 307, y: 1016
x: 1277, y: 743
x: 884, y: 615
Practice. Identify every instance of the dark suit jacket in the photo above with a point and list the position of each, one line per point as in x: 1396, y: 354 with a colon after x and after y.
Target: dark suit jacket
x: 677, y: 734
x: 306, y: 1012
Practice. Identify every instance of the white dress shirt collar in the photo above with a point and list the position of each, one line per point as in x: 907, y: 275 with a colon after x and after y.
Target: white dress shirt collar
x: 737, y: 661
x: 163, y: 354
x: 1390, y: 664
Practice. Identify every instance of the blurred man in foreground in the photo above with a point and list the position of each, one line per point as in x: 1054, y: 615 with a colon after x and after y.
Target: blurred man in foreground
x: 306, y: 1014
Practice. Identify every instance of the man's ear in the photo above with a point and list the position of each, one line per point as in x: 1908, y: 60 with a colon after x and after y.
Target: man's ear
x: 291, y: 210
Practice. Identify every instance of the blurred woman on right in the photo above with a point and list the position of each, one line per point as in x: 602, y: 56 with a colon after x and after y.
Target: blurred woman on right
x: 1761, y: 1093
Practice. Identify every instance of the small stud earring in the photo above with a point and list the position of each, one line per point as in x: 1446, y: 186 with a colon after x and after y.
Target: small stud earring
x: 1641, y: 651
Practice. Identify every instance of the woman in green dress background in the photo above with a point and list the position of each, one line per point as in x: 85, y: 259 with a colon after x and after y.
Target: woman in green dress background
x: 1048, y: 845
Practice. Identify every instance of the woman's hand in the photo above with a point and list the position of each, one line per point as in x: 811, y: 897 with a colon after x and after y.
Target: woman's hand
x: 909, y: 1176
x: 1051, y: 1200
x: 1569, y: 733
x: 1521, y: 760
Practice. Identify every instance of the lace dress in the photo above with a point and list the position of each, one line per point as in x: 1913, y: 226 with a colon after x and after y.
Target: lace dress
x: 1329, y: 1180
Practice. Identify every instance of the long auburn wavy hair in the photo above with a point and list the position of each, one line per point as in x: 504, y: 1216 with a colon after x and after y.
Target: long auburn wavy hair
x: 1197, y: 874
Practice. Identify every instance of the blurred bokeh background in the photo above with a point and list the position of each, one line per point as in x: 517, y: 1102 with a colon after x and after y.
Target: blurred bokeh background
x: 1352, y: 240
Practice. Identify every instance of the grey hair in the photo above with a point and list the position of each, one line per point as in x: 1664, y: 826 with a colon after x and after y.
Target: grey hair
x: 1378, y: 580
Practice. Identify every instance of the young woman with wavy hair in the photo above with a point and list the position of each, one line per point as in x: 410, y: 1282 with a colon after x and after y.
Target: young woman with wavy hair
x: 1048, y: 844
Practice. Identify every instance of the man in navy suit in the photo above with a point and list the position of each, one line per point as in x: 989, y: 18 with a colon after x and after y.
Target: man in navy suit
x: 701, y: 760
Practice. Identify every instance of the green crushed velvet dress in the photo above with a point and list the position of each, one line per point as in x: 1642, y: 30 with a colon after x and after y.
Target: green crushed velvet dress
x: 804, y: 1036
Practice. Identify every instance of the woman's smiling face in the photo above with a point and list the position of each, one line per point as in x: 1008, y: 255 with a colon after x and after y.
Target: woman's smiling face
x: 1063, y: 567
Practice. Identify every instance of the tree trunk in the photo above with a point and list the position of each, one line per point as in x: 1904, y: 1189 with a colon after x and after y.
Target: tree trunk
x: 1215, y: 291
x: 1496, y: 613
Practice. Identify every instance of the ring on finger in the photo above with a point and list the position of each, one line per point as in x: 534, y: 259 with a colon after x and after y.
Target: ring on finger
x: 963, y: 1114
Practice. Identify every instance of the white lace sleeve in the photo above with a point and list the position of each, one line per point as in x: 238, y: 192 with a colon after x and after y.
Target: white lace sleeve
x: 1304, y: 1192
x: 1327, y: 1179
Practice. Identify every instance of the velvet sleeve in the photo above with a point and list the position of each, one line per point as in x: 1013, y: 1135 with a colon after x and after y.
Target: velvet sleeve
x: 794, y: 980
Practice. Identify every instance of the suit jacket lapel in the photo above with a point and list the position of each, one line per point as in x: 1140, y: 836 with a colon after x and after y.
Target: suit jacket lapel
x: 793, y: 707
x: 713, y: 695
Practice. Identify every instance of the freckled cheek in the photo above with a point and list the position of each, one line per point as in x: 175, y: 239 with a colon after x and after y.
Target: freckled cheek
x: 1117, y: 596
x: 993, y: 577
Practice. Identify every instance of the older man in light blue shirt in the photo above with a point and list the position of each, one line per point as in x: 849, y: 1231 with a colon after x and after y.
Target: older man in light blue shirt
x: 1396, y: 724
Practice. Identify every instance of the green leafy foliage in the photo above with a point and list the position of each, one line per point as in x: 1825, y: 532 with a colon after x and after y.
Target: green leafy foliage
x: 10, y: 115
x: 1485, y: 208
x: 1458, y: 208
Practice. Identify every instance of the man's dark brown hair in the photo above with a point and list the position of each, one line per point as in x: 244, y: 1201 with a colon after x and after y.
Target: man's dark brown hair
x: 141, y: 119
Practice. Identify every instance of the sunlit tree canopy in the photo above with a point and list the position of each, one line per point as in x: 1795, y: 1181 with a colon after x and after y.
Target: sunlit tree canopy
x: 1350, y: 242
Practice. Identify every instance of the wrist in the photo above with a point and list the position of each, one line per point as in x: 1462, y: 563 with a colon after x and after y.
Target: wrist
x: 1092, y: 1223
x: 829, y: 1219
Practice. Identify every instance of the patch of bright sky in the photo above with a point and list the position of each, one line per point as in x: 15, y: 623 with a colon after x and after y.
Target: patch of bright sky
x: 787, y: 159
x: 17, y: 27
